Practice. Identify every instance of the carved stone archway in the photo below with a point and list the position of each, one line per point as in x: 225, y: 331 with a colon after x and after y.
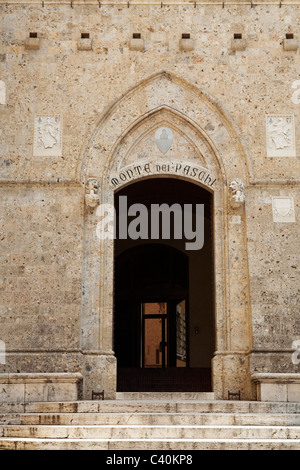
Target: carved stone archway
x: 206, y: 150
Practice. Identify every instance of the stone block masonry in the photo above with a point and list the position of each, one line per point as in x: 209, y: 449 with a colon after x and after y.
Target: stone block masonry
x: 79, y: 101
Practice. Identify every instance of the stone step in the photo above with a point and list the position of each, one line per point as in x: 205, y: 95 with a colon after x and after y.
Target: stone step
x: 166, y: 396
x: 200, y: 419
x: 152, y: 444
x: 160, y: 406
x: 12, y: 408
x: 10, y: 418
x: 144, y: 424
x: 134, y: 432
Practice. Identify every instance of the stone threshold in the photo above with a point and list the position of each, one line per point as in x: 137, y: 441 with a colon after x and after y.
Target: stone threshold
x: 170, y: 396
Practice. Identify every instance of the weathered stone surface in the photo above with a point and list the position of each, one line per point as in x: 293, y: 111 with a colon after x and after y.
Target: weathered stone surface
x: 84, y: 44
x: 185, y: 423
x: 35, y: 387
x: 290, y: 44
x: 137, y: 44
x: 277, y: 387
x: 32, y: 44
x: 56, y: 277
x: 2, y: 92
x: 186, y: 44
x: 238, y: 44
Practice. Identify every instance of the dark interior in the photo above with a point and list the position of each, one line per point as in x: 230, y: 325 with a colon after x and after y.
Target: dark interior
x: 164, y: 299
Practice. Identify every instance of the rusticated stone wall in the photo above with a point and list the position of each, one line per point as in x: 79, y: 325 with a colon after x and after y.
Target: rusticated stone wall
x: 73, y: 108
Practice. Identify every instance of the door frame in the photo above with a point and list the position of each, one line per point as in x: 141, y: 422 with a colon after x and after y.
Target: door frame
x: 171, y: 330
x: 164, y: 334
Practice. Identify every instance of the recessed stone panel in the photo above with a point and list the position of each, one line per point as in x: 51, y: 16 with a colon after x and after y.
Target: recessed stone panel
x: 2, y: 92
x: 280, y: 136
x: 283, y: 209
x: 47, y: 136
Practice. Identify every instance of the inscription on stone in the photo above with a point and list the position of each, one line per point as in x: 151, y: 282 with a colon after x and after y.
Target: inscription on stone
x: 48, y: 136
x: 197, y: 173
x: 280, y: 136
x: 283, y: 209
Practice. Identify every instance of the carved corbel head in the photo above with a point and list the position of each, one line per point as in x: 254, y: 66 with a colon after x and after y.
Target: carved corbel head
x: 238, y: 195
x: 92, y: 193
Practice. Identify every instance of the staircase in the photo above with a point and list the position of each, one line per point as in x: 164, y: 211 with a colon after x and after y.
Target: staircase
x: 141, y: 421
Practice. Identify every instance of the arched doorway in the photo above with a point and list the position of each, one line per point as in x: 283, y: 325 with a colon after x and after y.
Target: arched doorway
x: 122, y: 148
x: 164, y: 337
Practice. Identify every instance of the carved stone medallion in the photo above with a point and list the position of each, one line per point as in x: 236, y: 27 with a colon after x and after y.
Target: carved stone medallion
x: 283, y: 209
x: 164, y: 138
x: 48, y: 136
x: 280, y: 136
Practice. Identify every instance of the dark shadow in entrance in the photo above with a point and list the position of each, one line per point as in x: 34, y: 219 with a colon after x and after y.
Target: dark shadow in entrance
x: 163, y: 300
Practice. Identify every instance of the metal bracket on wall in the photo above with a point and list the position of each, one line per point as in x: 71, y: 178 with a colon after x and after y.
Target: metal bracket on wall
x: 234, y: 395
x: 98, y: 395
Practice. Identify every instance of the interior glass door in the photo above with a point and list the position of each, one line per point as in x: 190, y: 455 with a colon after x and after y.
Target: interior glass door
x: 154, y: 342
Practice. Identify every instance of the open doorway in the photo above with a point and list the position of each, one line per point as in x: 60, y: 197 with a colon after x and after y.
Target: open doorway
x: 164, y: 336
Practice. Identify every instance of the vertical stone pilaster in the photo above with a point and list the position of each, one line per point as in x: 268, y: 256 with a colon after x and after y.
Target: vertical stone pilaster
x: 231, y: 370
x: 99, y: 363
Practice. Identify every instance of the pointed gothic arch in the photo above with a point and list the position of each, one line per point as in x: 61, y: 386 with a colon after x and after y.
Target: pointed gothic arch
x: 165, y: 90
x: 210, y: 142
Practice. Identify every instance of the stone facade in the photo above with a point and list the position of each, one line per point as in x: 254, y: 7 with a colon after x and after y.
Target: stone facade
x: 81, y: 102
